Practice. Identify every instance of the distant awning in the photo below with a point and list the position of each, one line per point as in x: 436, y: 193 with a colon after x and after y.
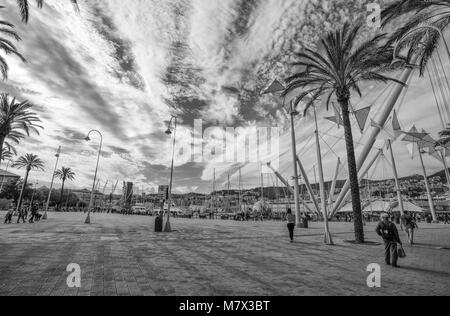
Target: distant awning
x: 410, y: 207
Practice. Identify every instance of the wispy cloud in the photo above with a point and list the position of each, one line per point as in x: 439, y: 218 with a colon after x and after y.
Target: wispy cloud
x: 124, y: 67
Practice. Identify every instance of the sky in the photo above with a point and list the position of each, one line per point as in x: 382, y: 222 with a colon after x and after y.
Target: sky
x: 125, y: 67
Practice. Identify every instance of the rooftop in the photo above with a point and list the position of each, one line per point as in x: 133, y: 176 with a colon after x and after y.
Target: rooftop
x: 4, y: 173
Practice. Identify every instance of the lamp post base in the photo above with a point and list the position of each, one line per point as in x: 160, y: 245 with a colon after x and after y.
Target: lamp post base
x: 88, y: 219
x: 328, y: 240
x: 167, y: 227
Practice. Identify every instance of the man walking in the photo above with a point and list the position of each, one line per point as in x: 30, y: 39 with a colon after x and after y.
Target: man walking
x: 388, y: 231
x: 9, y: 216
x: 21, y: 216
x: 409, y: 224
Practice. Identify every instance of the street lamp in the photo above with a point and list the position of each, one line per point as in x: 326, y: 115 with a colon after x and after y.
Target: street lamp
x: 172, y: 128
x: 58, y: 154
x: 88, y: 138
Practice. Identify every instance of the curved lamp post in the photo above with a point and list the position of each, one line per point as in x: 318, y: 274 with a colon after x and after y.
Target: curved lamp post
x: 91, y: 202
x: 172, y: 128
x: 58, y: 154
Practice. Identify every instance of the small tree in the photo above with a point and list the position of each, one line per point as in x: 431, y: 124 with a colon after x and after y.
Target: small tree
x: 29, y: 162
x: 64, y: 174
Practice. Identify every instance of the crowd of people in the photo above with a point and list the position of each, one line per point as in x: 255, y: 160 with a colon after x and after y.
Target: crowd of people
x: 25, y: 214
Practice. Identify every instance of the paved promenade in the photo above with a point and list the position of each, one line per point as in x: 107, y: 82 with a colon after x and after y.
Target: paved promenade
x: 123, y: 256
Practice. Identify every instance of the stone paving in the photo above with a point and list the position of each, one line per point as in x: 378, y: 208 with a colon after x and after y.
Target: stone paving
x: 123, y: 256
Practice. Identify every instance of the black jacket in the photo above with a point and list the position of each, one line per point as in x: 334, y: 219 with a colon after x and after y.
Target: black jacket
x: 388, y: 232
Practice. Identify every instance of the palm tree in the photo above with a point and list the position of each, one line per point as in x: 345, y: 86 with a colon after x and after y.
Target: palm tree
x: 6, y: 154
x: 7, y: 36
x: 64, y: 174
x: 16, y: 121
x: 335, y: 72
x: 29, y: 162
x: 25, y: 11
x: 423, y: 41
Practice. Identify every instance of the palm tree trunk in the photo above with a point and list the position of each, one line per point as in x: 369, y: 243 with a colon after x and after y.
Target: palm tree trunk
x: 2, y: 141
x: 61, y: 196
x: 353, y: 174
x: 19, y: 204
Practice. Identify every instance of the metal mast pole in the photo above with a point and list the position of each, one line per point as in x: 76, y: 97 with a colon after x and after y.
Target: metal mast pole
x: 58, y: 153
x: 381, y: 121
x: 427, y: 186
x: 328, y: 240
x: 333, y: 185
x: 167, y: 227
x: 397, y: 184
x: 294, y: 160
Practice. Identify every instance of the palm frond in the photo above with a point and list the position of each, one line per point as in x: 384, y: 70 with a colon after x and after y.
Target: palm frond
x: 65, y: 174
x: 17, y: 121
x: 30, y: 162
x: 24, y: 8
x: 417, y: 34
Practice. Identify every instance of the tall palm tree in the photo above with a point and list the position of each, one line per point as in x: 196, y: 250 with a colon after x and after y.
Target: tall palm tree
x: 16, y: 121
x: 29, y: 162
x: 334, y: 73
x: 64, y: 174
x: 7, y: 36
x: 25, y: 7
x: 424, y: 41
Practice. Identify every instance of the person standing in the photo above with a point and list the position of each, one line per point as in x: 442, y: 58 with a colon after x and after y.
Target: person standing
x: 388, y: 231
x: 290, y: 219
x: 409, y: 224
x: 21, y: 216
x: 447, y: 219
x: 9, y: 216
x: 32, y: 215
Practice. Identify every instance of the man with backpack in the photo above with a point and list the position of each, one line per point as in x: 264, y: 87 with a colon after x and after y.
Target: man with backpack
x: 388, y: 231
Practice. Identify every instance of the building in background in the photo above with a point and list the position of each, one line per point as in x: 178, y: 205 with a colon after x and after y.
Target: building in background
x: 7, y: 177
x: 85, y: 196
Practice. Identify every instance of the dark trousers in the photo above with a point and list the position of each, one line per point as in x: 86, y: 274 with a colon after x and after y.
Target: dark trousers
x: 21, y: 217
x: 8, y: 219
x: 391, y: 253
x: 291, y: 228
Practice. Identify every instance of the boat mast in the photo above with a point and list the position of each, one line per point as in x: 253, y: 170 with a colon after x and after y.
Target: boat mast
x: 427, y: 186
x: 397, y: 184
